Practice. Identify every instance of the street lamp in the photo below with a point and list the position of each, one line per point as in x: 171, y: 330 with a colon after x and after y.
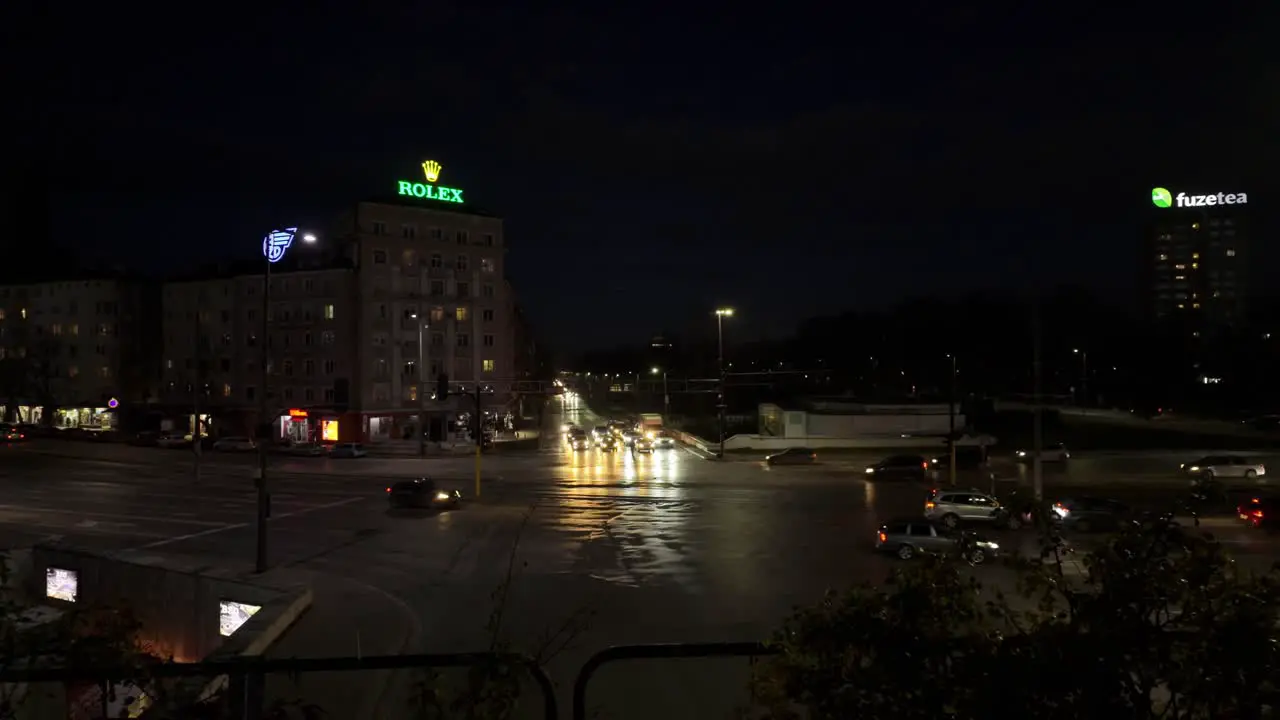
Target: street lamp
x: 721, y: 314
x: 274, y: 246
x: 422, y: 400
x: 951, y: 415
x: 666, y: 397
x: 1084, y: 376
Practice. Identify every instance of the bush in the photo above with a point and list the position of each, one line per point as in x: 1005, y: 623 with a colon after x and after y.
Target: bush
x: 1163, y: 625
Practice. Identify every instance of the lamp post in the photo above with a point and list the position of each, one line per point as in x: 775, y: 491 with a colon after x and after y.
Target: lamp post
x: 274, y: 247
x: 721, y: 314
x: 666, y: 397
x: 1084, y: 376
x: 422, y: 389
x: 951, y: 423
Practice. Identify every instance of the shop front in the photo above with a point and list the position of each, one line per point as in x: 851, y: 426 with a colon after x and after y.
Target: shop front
x: 85, y: 418
x: 307, y: 426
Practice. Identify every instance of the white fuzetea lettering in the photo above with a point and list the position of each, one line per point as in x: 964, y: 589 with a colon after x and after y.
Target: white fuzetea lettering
x: 1185, y: 200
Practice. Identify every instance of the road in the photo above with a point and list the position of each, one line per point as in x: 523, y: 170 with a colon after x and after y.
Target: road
x: 661, y: 548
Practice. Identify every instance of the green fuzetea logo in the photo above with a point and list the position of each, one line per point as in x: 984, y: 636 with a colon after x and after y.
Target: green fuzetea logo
x: 1162, y: 198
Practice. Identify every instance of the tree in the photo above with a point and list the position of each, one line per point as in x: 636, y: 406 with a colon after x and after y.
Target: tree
x: 1162, y: 625
x: 45, y: 370
x: 14, y: 383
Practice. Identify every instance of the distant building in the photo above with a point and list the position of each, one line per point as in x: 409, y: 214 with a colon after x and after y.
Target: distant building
x: 75, y: 353
x: 1196, y: 259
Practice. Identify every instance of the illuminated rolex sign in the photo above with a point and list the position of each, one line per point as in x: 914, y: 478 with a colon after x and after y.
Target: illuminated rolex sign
x: 1162, y: 198
x: 429, y: 190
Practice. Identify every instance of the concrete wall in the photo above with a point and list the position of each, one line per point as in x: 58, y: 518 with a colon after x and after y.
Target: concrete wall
x: 178, y: 610
x: 853, y: 426
x: 759, y: 442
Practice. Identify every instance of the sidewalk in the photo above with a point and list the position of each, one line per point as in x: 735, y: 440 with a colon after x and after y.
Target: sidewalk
x: 347, y: 618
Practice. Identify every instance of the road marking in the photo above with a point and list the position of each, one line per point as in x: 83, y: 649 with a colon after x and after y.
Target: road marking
x: 237, y: 526
x: 109, y: 516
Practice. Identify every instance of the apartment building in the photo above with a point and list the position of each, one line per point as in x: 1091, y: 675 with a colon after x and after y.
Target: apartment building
x: 213, y: 344
x: 429, y: 271
x: 76, y: 353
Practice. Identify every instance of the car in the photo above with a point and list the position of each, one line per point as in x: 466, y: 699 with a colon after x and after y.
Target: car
x: 574, y: 435
x: 1056, y: 452
x: 1223, y: 466
x: 234, y: 444
x: 952, y: 507
x: 1084, y: 514
x: 1260, y: 512
x: 421, y: 493
x: 347, y: 450
x: 664, y: 440
x: 792, y: 456
x: 599, y: 431
x: 642, y: 445
x: 607, y: 443
x: 9, y: 433
x: 898, y: 466
x: 579, y: 442
x: 305, y: 449
x: 910, y: 538
x: 629, y: 437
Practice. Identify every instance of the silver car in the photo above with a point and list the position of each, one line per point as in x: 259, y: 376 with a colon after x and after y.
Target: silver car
x: 952, y: 507
x: 1223, y: 466
x: 909, y: 538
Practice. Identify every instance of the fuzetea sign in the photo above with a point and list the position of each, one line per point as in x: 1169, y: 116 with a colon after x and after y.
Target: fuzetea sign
x: 1162, y: 198
x: 429, y: 190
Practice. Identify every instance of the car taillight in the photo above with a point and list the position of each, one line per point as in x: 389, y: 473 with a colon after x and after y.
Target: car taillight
x: 883, y: 538
x: 924, y: 465
x: 1257, y: 514
x: 813, y: 456
x: 1061, y: 508
x: 929, y: 506
x: 388, y: 489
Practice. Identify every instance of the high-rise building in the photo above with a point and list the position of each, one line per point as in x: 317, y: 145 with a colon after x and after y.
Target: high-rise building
x: 1196, y: 262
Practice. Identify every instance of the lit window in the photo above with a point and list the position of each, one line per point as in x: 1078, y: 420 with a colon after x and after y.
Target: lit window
x: 328, y: 312
x: 1195, y: 266
x: 1, y: 313
x: 411, y: 392
x: 105, y: 371
x: 1230, y: 253
x: 487, y: 365
x: 460, y: 314
x: 23, y: 312
x: 55, y: 329
x: 1195, y: 306
x: 226, y: 389
x: 486, y: 264
x: 73, y: 329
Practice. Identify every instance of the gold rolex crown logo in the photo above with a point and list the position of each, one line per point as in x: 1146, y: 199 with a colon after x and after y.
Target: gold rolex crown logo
x: 432, y: 169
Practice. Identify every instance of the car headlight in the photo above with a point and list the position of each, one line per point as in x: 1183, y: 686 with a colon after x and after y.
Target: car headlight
x: 870, y: 470
x: 442, y: 495
x: 1194, y: 468
x: 988, y: 545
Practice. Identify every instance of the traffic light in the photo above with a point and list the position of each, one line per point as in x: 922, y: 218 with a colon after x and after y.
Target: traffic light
x: 442, y: 387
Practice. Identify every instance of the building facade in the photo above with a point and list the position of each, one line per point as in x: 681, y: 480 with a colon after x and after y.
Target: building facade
x: 430, y: 272
x: 1196, y: 261
x: 76, y: 353
x: 213, y: 352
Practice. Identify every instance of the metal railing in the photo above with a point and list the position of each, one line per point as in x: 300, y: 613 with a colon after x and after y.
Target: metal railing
x: 245, y: 689
x: 657, y: 652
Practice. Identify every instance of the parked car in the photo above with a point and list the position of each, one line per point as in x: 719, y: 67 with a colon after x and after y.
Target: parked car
x: 792, y: 456
x: 234, y: 444
x: 909, y: 538
x: 421, y: 493
x: 172, y: 440
x: 908, y: 467
x: 952, y: 507
x: 1223, y: 466
x: 305, y: 449
x: 347, y: 450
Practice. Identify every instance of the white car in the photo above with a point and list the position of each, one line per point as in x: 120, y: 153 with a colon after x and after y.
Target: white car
x: 1224, y: 466
x: 1053, y: 453
x: 664, y: 440
x: 234, y: 444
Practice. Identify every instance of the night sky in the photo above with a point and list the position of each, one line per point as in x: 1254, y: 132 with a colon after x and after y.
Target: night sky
x: 651, y: 162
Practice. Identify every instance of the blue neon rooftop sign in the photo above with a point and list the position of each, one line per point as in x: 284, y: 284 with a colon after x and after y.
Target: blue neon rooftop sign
x: 277, y: 242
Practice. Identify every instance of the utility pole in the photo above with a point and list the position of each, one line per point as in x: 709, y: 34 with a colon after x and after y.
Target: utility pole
x: 951, y: 421
x: 197, y: 387
x: 479, y: 436
x: 1037, y: 463
x: 721, y: 314
x: 422, y: 389
x: 264, y: 434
